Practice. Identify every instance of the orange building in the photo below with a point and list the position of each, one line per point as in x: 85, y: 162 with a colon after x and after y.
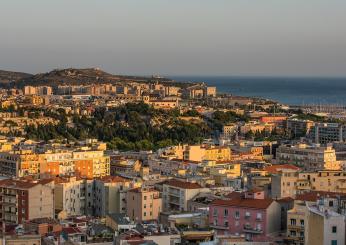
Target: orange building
x: 84, y: 168
x: 273, y: 119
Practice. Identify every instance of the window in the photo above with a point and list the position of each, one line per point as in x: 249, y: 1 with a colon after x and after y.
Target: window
x: 215, y: 212
x: 145, y: 197
x: 302, y: 222
x: 259, y: 216
x: 226, y: 223
x: 215, y: 222
x: 237, y: 214
x: 331, y: 204
x: 334, y: 229
x: 145, y: 214
x: 247, y: 214
x: 334, y: 242
x: 293, y: 222
x: 145, y: 206
x: 226, y: 212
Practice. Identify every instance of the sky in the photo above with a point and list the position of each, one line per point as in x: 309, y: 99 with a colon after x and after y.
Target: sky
x: 176, y: 37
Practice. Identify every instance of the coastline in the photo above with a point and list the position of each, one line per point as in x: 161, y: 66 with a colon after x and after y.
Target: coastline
x: 291, y: 91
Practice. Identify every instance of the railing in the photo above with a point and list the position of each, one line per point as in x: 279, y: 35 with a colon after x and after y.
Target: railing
x: 250, y: 229
x: 219, y: 227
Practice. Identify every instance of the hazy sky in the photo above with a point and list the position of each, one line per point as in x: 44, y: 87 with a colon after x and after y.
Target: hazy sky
x: 176, y: 37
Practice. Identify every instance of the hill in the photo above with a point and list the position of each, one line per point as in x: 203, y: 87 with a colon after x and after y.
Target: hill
x: 72, y: 76
x: 11, y: 76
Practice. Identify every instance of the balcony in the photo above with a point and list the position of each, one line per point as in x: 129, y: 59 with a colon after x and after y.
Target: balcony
x: 303, y: 187
x: 175, y: 193
x: 219, y: 227
x: 295, y: 227
x: 175, y: 202
x: 292, y: 238
x: 249, y: 229
x: 7, y: 202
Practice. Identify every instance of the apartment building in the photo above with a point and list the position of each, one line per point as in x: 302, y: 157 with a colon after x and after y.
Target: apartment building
x: 70, y: 195
x: 177, y: 193
x: 19, y: 163
x: 171, y: 91
x: 192, y: 153
x: 122, y: 165
x: 230, y: 130
x: 57, y: 163
x: 143, y: 204
x: 109, y: 195
x: 253, y: 218
x: 199, y: 91
x: 255, y: 126
x: 217, y: 153
x: 91, y: 164
x: 288, y: 183
x: 308, y: 157
x: 325, y: 227
x: 40, y: 90
x: 299, y: 128
x: 298, y: 218
x: 25, y: 200
x: 284, y: 183
x: 323, y: 133
x: 197, y: 153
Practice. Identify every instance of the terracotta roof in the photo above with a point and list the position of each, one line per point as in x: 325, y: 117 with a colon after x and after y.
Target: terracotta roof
x: 113, y: 179
x: 71, y: 230
x: 22, y: 184
x: 234, y: 195
x: 244, y: 203
x: 285, y: 199
x: 182, y: 184
x: 314, y: 195
x: 274, y: 169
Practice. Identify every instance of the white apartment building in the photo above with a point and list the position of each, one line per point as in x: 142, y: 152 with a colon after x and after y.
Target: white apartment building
x: 177, y: 193
x: 308, y: 157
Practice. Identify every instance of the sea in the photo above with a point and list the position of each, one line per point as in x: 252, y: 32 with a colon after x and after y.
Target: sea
x: 289, y: 91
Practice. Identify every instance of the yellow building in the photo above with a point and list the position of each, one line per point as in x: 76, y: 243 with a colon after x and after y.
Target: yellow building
x: 19, y: 163
x: 221, y: 172
x: 197, y: 153
x: 230, y: 129
x: 220, y: 153
x: 91, y: 164
x: 7, y: 103
x: 288, y: 183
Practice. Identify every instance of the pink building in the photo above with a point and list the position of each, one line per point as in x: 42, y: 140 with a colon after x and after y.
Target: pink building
x: 254, y: 218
